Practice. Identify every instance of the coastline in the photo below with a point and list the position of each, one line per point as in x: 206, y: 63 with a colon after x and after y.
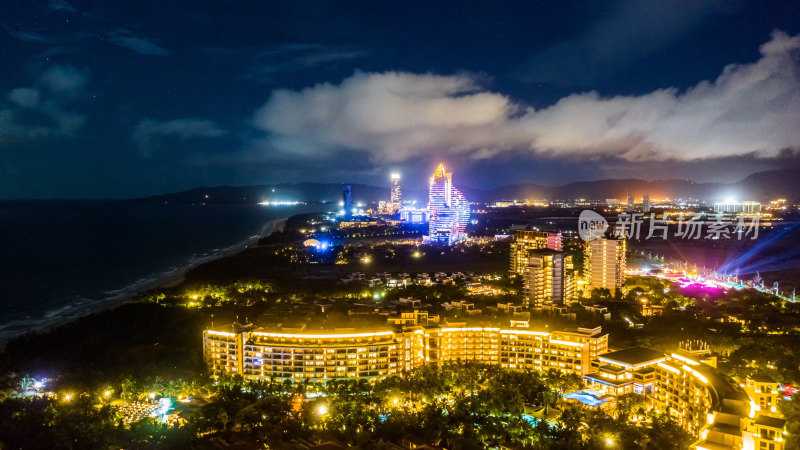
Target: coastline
x: 65, y: 314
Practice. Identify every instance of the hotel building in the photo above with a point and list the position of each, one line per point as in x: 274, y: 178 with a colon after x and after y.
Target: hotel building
x: 629, y: 371
x: 320, y: 356
x: 527, y: 240
x: 768, y: 433
x: 548, y: 278
x: 686, y: 385
x: 449, y: 210
x: 604, y: 264
x: 764, y: 392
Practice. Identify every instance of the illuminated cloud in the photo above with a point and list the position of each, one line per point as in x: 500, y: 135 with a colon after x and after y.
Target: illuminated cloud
x: 748, y: 109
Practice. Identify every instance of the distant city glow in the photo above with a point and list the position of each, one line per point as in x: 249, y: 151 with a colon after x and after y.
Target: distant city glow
x: 280, y: 203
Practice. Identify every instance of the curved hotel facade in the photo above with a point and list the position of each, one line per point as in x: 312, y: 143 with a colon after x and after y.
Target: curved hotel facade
x: 449, y: 210
x: 321, y: 356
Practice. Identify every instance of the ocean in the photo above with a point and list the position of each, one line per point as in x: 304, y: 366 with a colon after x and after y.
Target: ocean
x: 63, y: 259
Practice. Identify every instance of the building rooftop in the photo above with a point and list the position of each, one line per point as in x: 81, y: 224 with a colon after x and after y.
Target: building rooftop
x: 769, y: 421
x: 762, y: 379
x: 611, y: 368
x: 633, y: 356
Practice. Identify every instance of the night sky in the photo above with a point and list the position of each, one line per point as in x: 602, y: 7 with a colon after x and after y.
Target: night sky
x: 102, y: 99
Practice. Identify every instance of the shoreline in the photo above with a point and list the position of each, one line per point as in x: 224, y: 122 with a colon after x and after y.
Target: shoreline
x: 50, y: 320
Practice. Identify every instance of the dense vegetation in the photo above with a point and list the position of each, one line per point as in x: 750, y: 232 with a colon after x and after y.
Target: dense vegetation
x: 458, y: 406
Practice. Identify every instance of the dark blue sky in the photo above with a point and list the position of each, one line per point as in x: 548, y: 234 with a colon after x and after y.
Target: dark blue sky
x: 121, y: 99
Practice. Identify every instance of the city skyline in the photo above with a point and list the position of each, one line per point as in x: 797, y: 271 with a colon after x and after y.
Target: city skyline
x: 136, y: 100
x: 400, y: 225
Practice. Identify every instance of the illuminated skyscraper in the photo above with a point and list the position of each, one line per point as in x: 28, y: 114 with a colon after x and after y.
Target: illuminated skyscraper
x: 396, y: 196
x: 527, y: 240
x: 604, y: 264
x: 548, y: 278
x: 347, y: 200
x: 646, y: 203
x: 449, y: 210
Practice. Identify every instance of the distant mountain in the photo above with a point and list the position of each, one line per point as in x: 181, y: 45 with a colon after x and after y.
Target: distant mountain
x: 761, y: 186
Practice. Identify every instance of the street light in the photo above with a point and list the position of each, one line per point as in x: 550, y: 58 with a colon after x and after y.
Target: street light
x: 322, y: 410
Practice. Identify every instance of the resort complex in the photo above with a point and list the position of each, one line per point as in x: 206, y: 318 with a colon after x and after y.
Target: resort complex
x: 684, y: 384
x: 321, y: 356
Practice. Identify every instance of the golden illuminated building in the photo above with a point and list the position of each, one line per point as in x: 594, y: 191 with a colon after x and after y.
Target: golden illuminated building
x: 222, y: 349
x: 548, y: 278
x: 687, y: 385
x: 769, y: 433
x: 527, y: 240
x: 604, y: 264
x: 764, y: 392
x: 629, y: 371
x: 320, y: 356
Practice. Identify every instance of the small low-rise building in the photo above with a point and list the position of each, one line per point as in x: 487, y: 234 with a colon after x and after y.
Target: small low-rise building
x: 626, y: 371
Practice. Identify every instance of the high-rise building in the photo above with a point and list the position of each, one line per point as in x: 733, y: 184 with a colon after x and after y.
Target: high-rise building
x: 646, y: 203
x: 396, y: 196
x: 548, y: 278
x: 347, y: 200
x: 527, y: 240
x: 629, y: 206
x: 449, y: 210
x: 605, y: 264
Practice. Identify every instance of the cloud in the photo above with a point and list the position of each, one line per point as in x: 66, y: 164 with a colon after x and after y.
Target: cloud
x: 148, y: 133
x: 629, y: 30
x: 29, y: 36
x: 60, y: 5
x: 143, y: 46
x: 394, y: 116
x: 265, y: 61
x: 63, y: 79
x: 43, y: 111
x: 24, y: 97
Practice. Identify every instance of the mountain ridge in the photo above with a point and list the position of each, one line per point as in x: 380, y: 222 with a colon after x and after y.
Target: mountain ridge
x: 760, y: 186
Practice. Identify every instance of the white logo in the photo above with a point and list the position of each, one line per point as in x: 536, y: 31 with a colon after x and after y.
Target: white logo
x: 591, y: 225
